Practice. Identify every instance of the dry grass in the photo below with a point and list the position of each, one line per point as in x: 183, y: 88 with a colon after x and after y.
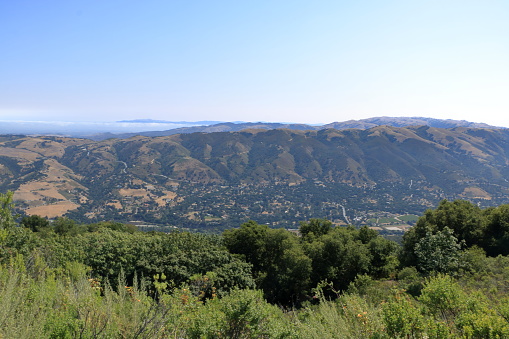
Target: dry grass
x: 130, y: 192
x: 475, y: 193
x: 52, y: 211
x: 36, y: 191
x: 191, y: 215
x: 19, y: 153
x: 43, y: 147
x: 115, y: 204
x: 58, y: 183
x: 168, y: 195
x: 57, y: 172
x: 57, y: 178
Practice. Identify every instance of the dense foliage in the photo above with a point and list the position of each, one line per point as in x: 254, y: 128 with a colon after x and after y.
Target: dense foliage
x: 109, y: 280
x: 466, y: 224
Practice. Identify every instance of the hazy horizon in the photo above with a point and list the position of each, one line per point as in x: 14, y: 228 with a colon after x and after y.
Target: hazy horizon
x: 88, y: 129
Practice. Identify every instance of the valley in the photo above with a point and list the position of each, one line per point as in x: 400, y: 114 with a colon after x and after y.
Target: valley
x: 209, y: 182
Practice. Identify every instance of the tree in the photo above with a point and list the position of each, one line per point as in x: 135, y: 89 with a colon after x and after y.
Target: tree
x: 65, y: 226
x: 287, y: 269
x: 249, y: 240
x: 466, y: 220
x: 439, y: 252
x: 6, y: 213
x: 35, y: 223
x: 338, y: 257
x: 496, y: 236
x: 13, y: 240
x: 367, y: 235
x: 315, y: 227
x: 280, y: 266
x: 112, y: 225
x: 384, y: 257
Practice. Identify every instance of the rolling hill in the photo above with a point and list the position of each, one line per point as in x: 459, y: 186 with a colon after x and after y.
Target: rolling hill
x: 223, y: 178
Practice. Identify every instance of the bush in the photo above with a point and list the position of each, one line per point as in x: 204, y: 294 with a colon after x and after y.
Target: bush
x: 241, y: 314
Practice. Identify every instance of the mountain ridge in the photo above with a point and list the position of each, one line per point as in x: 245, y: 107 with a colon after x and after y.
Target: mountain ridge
x: 191, y: 179
x: 355, y: 124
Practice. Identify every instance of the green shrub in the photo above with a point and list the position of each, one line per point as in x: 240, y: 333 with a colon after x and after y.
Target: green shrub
x: 241, y: 314
x: 402, y: 318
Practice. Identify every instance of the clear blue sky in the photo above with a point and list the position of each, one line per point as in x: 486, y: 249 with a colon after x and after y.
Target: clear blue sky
x: 299, y: 61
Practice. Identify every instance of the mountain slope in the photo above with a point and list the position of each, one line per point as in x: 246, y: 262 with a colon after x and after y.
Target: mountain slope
x: 194, y: 175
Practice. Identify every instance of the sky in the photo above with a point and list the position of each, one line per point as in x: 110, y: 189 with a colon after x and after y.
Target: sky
x: 278, y: 61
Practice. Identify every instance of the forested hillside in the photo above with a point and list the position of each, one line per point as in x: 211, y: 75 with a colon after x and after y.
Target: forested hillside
x: 109, y: 280
x: 214, y: 181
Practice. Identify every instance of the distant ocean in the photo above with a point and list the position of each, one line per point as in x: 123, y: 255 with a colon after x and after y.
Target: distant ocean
x: 66, y: 128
